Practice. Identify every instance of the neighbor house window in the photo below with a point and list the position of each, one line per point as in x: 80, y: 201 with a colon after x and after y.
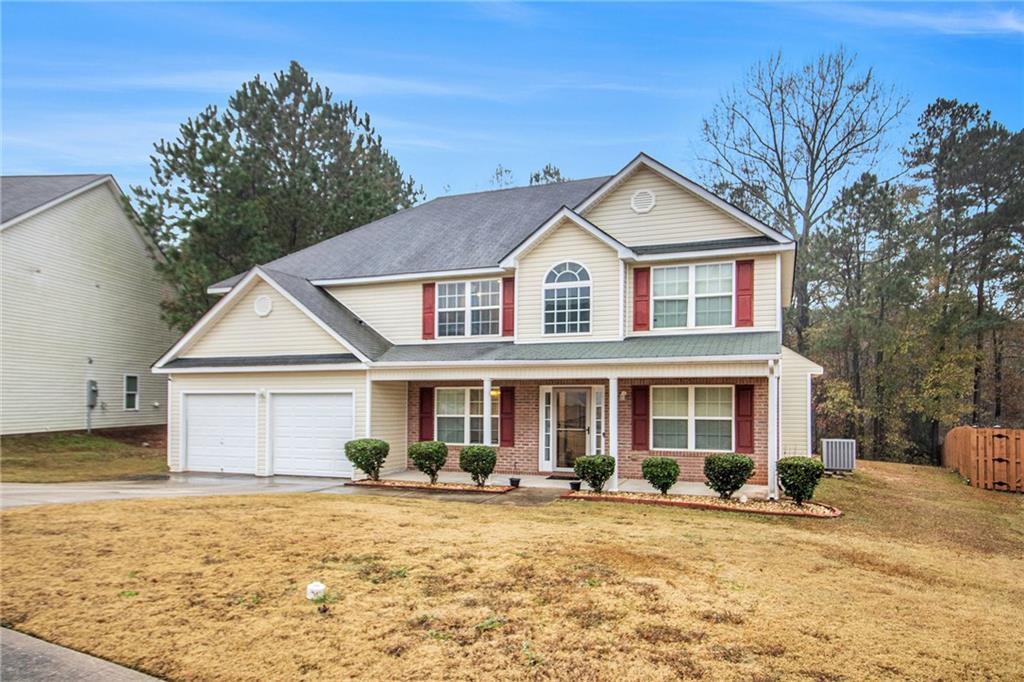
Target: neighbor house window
x: 567, y: 299
x: 460, y: 416
x: 131, y: 392
x: 476, y: 312
x: 692, y: 296
x: 692, y: 418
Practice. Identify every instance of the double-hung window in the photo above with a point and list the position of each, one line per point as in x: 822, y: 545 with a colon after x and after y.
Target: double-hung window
x: 692, y: 418
x: 567, y: 299
x: 131, y: 392
x: 469, y: 308
x: 460, y: 416
x: 692, y: 296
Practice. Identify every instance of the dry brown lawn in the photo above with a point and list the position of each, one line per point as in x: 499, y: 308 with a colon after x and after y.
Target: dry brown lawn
x: 921, y: 579
x: 76, y: 456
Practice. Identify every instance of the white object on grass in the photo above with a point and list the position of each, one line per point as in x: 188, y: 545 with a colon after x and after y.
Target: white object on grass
x: 315, y: 590
x: 743, y: 499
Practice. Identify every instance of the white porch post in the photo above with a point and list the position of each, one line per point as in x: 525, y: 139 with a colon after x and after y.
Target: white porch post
x: 613, y: 426
x: 773, y: 428
x: 487, y: 411
x: 369, y: 405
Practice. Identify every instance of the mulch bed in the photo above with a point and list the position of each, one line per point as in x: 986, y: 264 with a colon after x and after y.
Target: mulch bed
x: 436, y: 488
x: 772, y: 508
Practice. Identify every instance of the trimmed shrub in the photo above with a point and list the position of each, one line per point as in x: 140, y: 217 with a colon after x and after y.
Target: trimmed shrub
x: 799, y: 476
x: 429, y: 457
x: 595, y: 470
x: 660, y: 472
x: 478, y: 461
x: 727, y: 473
x: 368, y: 455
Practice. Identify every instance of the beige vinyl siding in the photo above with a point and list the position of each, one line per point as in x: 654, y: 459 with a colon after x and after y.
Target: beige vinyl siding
x: 390, y: 404
x: 241, y: 332
x: 793, y: 402
x: 765, y: 292
x: 678, y: 215
x: 568, y: 242
x: 394, y: 309
x: 354, y: 381
x: 80, y: 301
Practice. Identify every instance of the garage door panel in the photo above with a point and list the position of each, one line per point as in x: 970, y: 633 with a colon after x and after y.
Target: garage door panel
x: 220, y: 433
x: 309, y: 432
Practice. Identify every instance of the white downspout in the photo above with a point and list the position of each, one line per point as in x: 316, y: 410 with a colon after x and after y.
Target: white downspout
x: 773, y: 428
x: 613, y: 427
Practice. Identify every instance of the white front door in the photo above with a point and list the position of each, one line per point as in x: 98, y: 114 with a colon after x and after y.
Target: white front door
x: 220, y: 432
x: 308, y: 432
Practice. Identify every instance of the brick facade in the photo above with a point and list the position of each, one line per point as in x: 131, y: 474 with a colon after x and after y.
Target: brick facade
x: 523, y: 457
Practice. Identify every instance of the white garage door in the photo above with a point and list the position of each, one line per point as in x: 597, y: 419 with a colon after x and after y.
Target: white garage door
x: 308, y: 432
x: 220, y: 433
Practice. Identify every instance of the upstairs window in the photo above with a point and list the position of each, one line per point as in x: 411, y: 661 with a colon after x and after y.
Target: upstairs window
x: 692, y: 296
x: 567, y: 299
x: 476, y: 313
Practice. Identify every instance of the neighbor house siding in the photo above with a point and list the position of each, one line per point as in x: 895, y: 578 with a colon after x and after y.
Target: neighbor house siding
x: 567, y: 242
x: 80, y: 301
x: 793, y: 403
x: 241, y: 332
x: 678, y: 215
x: 388, y: 420
x: 260, y: 382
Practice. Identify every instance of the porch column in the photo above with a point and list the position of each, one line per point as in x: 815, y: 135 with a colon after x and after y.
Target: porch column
x: 487, y: 411
x: 613, y: 427
x: 773, y: 428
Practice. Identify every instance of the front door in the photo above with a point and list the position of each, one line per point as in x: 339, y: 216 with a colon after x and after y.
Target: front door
x: 572, y: 425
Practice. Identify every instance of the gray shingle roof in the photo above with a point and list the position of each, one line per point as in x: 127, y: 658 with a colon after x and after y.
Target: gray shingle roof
x: 332, y: 313
x: 711, y: 245
x: 447, y: 233
x: 680, y: 346
x: 22, y: 193
x: 263, y: 361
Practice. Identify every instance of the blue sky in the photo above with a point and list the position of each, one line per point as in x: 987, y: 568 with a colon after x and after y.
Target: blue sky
x: 457, y: 88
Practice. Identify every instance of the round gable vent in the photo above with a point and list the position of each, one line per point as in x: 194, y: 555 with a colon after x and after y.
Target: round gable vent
x: 642, y: 201
x: 263, y: 305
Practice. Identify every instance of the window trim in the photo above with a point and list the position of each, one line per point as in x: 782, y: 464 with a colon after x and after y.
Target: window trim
x: 467, y: 309
x: 468, y: 415
x: 125, y: 392
x: 692, y: 296
x: 691, y: 417
x: 562, y: 285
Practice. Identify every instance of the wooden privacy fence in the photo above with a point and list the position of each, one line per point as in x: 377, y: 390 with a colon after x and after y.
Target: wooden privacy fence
x: 989, y: 458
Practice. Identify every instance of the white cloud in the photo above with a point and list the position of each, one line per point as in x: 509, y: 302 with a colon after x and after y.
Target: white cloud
x: 976, y: 20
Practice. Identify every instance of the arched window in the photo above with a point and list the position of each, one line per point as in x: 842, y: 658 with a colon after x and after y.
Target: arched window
x: 567, y: 299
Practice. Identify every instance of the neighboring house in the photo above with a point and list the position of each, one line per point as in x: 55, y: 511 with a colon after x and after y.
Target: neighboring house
x: 80, y: 303
x: 630, y: 315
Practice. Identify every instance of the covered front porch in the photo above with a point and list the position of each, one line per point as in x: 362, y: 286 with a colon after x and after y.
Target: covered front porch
x: 540, y: 419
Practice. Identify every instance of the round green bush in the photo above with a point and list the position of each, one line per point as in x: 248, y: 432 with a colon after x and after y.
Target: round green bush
x: 478, y: 461
x: 595, y: 470
x: 429, y: 457
x: 368, y: 455
x: 727, y: 473
x: 660, y: 472
x: 799, y: 476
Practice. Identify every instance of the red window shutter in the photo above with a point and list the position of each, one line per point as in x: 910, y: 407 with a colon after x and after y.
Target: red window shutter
x: 507, y: 412
x: 428, y: 310
x: 641, y: 417
x: 641, y: 299
x: 744, y: 293
x: 426, y: 413
x: 508, y: 306
x: 745, y: 419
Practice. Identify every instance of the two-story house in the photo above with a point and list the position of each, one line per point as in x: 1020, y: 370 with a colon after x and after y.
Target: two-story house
x: 630, y: 315
x: 80, y: 323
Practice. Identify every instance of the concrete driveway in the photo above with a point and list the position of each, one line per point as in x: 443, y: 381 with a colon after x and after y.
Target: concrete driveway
x: 177, y: 485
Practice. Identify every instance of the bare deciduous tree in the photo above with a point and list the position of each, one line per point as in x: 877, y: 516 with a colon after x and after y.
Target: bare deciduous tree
x: 782, y: 143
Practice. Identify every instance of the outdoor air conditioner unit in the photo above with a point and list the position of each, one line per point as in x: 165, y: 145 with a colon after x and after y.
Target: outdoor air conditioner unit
x: 838, y: 454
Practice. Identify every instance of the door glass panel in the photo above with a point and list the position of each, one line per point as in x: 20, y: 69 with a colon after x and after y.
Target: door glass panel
x: 571, y: 425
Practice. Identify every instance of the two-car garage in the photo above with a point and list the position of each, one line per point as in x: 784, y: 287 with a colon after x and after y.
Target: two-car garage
x: 305, y: 432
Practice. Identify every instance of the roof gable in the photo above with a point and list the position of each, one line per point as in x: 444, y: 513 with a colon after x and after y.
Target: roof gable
x: 23, y: 195
x: 564, y: 216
